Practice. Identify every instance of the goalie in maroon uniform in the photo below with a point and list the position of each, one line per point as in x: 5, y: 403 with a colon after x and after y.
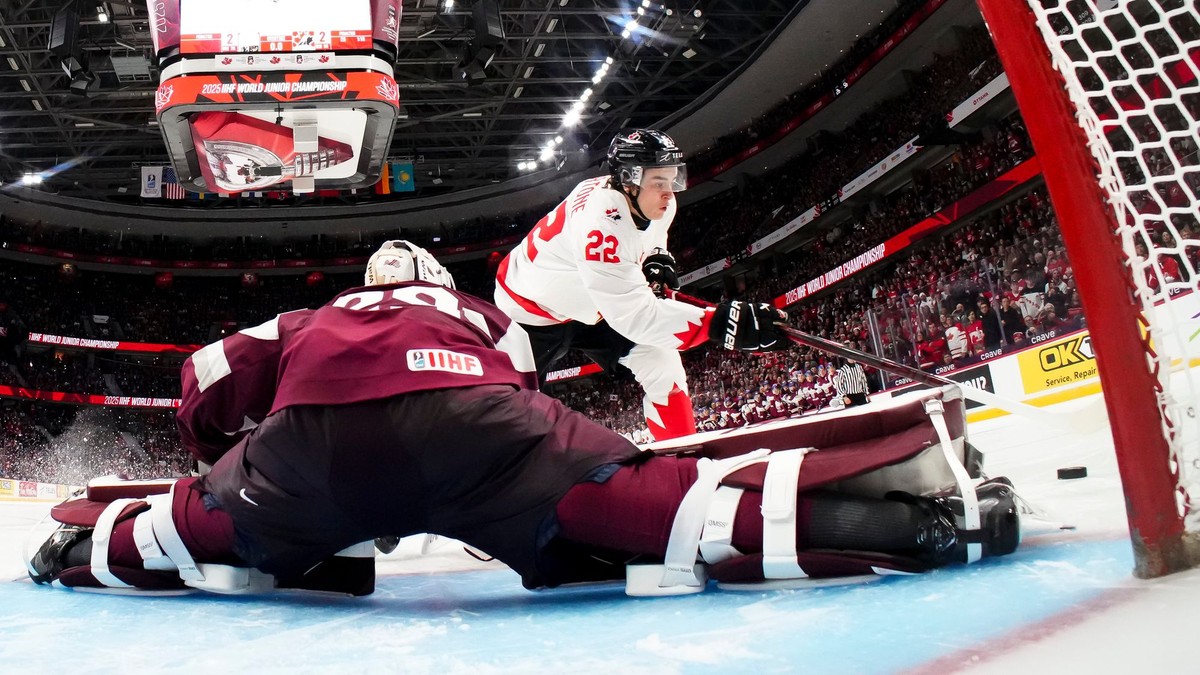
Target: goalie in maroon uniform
x: 405, y: 406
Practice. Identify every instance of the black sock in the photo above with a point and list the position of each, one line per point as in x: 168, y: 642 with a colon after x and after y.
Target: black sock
x: 862, y: 524
x: 80, y: 553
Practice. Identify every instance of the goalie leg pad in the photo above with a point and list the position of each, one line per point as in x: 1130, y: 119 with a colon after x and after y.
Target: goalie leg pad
x: 135, y: 542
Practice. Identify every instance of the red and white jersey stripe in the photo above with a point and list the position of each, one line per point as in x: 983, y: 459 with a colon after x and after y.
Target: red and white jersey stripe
x: 583, y: 262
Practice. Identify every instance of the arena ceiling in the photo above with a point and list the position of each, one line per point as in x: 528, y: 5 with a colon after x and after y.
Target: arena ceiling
x: 463, y: 135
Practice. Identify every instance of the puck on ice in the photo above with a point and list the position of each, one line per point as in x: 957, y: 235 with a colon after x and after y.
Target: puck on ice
x: 1069, y: 472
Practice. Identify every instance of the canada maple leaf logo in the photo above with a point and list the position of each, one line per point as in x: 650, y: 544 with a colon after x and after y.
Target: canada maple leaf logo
x: 163, y: 96
x: 388, y: 90
x: 226, y: 61
x: 275, y: 59
x: 324, y: 58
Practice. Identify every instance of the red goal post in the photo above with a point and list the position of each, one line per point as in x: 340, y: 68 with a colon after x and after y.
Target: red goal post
x: 1101, y: 85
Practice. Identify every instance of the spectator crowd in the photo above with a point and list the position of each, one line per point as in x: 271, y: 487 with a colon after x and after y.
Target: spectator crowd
x: 981, y: 288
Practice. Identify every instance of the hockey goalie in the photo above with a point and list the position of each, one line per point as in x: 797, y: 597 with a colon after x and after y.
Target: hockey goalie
x: 404, y: 406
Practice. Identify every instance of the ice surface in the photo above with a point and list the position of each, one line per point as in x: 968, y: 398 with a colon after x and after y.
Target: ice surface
x: 1066, y: 601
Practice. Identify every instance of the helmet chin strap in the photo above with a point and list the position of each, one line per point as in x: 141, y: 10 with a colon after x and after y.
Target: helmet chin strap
x: 640, y: 220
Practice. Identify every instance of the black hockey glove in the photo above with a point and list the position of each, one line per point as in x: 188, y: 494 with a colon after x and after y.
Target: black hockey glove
x: 747, y: 326
x: 659, y: 268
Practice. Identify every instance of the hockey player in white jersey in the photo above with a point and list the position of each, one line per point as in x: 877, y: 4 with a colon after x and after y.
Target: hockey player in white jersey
x: 594, y: 275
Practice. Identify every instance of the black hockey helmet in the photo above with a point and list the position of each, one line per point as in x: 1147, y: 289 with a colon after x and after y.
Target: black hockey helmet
x: 632, y: 151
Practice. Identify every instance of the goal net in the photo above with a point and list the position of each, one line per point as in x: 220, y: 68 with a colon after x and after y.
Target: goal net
x: 1110, y: 91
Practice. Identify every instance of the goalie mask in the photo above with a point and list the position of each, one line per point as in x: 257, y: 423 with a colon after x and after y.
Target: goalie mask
x: 399, y: 261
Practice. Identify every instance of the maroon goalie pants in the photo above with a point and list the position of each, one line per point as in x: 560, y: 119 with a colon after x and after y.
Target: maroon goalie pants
x: 512, y: 472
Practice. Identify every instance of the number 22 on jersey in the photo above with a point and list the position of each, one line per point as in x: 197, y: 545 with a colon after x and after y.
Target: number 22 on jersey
x: 601, y: 248
x: 546, y: 229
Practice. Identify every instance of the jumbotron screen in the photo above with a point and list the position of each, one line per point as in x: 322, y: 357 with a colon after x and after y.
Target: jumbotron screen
x: 235, y: 26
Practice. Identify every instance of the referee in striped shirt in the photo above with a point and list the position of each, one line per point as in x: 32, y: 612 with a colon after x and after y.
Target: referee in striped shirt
x: 851, y: 383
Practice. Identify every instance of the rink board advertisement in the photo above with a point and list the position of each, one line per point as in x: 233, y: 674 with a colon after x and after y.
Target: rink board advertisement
x: 1057, y: 363
x: 978, y: 377
x: 28, y: 490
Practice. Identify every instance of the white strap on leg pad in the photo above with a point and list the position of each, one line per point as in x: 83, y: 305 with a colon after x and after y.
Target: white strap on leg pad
x: 100, y: 538
x: 168, y: 537
x: 716, y: 543
x: 152, y: 554
x: 971, y: 518
x: 162, y: 549
x: 680, y: 572
x: 779, y: 515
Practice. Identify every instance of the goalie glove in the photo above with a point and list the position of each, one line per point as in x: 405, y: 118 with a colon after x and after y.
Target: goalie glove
x: 659, y: 268
x: 747, y: 326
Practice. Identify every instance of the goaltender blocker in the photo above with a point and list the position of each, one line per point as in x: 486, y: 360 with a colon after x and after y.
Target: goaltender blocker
x: 404, y: 407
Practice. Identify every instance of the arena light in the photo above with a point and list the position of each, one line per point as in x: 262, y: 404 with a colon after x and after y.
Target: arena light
x: 12, y: 63
x: 546, y: 154
x: 558, y: 140
x: 31, y: 178
x: 571, y: 118
x: 101, y: 13
x: 521, y: 166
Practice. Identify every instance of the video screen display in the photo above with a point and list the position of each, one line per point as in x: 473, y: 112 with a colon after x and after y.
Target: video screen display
x: 239, y: 26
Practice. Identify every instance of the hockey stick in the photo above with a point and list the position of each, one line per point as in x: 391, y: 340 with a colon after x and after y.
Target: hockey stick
x: 1075, y: 421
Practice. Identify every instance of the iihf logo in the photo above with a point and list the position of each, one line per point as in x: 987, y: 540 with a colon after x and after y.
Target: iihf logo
x: 418, y: 362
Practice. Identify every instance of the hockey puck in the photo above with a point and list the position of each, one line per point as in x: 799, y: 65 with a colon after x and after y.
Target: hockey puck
x: 1069, y: 472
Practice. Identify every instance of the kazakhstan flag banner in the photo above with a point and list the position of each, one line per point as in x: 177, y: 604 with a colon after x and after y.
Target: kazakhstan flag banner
x: 402, y: 177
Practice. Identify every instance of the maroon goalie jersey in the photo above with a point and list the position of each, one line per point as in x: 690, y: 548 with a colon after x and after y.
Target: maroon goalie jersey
x: 366, y: 344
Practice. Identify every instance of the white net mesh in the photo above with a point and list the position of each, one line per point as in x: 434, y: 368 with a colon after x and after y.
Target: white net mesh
x: 1132, y: 70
